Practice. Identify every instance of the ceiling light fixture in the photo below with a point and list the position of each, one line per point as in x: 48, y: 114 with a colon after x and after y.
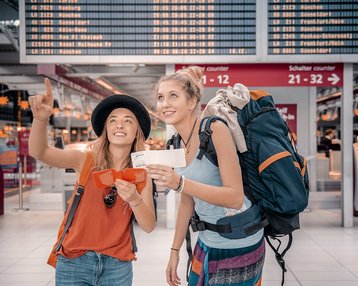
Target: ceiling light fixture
x: 4, y: 100
x: 126, y: 65
x: 105, y: 84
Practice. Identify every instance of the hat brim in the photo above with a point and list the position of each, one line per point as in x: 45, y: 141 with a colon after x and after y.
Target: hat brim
x: 107, y: 105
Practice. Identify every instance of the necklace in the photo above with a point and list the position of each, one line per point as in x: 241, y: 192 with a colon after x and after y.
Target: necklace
x: 186, y: 144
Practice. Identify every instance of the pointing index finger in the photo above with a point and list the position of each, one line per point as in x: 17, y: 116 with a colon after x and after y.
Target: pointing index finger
x: 49, y: 95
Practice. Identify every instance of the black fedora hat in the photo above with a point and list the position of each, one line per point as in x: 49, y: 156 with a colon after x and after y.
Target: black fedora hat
x: 107, y: 105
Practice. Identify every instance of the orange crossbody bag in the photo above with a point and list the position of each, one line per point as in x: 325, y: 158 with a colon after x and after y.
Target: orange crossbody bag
x: 74, y: 201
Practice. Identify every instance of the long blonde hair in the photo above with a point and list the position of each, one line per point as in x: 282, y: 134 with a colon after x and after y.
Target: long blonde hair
x: 100, y: 147
x: 190, y: 79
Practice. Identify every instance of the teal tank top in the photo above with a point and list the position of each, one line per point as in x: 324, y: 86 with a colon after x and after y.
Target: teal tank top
x: 205, y: 172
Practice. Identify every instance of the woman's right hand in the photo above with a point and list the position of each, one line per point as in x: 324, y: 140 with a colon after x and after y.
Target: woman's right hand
x: 42, y: 105
x: 171, y: 272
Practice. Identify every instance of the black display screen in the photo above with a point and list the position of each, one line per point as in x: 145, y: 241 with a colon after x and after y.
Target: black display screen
x: 141, y: 27
x: 315, y: 27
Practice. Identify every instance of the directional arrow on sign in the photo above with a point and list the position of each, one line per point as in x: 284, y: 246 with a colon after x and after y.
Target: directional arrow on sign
x: 334, y: 78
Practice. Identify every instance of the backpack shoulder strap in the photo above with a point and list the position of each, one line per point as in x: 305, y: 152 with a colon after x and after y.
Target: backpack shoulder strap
x: 79, y: 192
x: 86, y: 169
x: 206, y: 145
x: 173, y: 141
x: 134, y: 241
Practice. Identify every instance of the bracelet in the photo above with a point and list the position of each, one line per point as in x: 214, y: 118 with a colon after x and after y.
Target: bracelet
x: 175, y: 249
x: 137, y: 204
x: 182, y: 185
x: 179, y: 183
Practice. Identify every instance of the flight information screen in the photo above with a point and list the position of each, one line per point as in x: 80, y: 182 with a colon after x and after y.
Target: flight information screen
x: 315, y: 27
x: 140, y: 27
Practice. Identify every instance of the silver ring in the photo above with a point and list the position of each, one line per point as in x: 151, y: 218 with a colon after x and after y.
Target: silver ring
x: 163, y: 179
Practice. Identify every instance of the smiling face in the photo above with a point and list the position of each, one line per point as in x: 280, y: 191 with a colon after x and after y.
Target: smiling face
x: 121, y: 127
x: 173, y: 104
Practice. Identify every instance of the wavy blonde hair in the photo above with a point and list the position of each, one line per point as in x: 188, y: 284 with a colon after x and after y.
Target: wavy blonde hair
x: 100, y: 147
x: 190, y: 79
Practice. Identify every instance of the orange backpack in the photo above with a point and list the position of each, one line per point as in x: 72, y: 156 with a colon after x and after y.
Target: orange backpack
x: 73, y: 202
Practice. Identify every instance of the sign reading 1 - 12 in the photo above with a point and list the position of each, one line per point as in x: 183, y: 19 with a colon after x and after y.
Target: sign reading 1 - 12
x: 219, y: 79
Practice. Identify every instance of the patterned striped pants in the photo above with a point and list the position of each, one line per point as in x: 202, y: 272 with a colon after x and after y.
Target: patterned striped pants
x: 234, y: 267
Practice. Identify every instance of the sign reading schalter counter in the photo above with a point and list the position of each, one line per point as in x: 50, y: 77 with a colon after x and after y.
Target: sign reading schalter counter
x: 320, y: 74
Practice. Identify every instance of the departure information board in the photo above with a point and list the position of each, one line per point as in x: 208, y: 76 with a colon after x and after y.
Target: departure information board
x: 317, y: 27
x: 188, y: 31
x: 141, y: 27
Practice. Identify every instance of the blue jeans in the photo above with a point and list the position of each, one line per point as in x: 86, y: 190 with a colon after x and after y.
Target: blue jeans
x: 94, y: 269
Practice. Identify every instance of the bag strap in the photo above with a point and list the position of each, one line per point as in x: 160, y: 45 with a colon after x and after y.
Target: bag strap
x: 85, y: 172
x: 206, y: 145
x: 189, y: 251
x: 279, y: 256
x: 200, y: 225
x: 134, y: 241
x: 79, y: 192
x: 173, y: 141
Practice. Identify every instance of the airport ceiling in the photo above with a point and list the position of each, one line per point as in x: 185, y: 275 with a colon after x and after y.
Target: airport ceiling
x: 97, y: 81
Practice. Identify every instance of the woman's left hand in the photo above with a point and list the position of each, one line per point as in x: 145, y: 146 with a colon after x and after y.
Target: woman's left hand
x: 164, y: 176
x: 127, y: 191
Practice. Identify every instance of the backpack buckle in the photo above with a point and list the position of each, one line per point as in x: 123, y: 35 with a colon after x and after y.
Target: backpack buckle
x: 208, y: 132
x: 197, y: 225
x: 281, y: 262
x: 80, y: 190
x: 204, y: 138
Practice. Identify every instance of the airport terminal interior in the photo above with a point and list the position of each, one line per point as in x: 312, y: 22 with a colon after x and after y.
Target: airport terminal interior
x: 304, y: 53
x: 323, y: 252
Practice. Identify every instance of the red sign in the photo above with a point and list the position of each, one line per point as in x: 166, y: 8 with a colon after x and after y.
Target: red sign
x: 289, y: 112
x: 8, y: 157
x: 272, y: 74
x: 24, y: 142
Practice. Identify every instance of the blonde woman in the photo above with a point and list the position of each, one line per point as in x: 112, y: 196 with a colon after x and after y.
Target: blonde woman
x: 97, y: 249
x: 213, y: 192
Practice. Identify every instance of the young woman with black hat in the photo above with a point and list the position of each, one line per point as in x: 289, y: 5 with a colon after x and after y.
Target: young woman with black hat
x: 97, y: 248
x: 215, y: 193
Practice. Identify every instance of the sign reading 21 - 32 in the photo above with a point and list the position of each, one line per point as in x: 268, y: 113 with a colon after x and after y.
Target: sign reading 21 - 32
x: 217, y: 75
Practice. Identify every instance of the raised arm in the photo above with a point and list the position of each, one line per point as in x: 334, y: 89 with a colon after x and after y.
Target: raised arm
x: 42, y: 108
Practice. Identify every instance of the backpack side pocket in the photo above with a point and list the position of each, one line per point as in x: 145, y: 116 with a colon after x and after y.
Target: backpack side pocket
x: 281, y: 174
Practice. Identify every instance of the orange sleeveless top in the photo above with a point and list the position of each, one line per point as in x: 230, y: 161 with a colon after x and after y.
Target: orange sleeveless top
x: 99, y: 228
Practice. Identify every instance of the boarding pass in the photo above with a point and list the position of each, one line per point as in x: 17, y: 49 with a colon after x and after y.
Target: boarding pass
x: 173, y: 158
